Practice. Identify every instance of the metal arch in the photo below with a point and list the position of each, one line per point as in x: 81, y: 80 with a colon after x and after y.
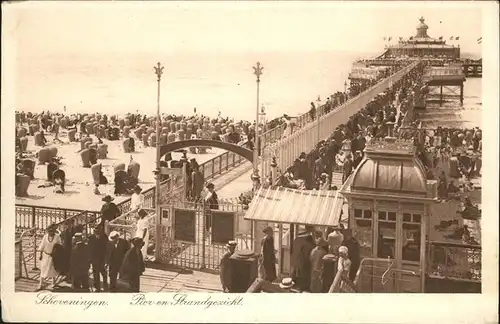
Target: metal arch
x: 240, y: 150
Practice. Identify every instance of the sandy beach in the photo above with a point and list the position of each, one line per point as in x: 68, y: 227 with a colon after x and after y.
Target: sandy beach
x: 79, y: 182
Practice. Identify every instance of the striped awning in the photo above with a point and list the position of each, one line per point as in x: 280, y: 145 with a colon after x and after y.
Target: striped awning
x: 307, y: 207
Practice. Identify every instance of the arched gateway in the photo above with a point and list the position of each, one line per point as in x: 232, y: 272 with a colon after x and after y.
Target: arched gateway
x: 240, y: 150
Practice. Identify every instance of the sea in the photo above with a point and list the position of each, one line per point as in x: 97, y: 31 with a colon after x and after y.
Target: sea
x: 211, y: 82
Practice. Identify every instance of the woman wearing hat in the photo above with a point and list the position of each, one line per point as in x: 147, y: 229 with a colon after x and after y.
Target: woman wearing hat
x: 343, y: 268
x: 47, y: 269
x: 142, y: 231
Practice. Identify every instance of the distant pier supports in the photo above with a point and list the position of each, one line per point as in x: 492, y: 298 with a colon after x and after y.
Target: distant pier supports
x: 445, y: 82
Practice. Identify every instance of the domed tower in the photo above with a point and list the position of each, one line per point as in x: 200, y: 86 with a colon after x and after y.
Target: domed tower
x: 422, y: 29
x: 389, y: 201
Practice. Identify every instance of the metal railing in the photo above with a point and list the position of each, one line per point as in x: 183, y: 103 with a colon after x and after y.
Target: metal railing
x: 455, y: 261
x: 304, y: 119
x: 40, y: 217
x: 26, y: 243
x: 305, y: 139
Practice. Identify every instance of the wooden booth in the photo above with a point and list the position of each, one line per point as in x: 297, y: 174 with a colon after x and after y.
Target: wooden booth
x: 389, y: 206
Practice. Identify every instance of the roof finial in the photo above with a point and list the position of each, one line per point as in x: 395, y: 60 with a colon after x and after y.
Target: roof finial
x: 422, y: 19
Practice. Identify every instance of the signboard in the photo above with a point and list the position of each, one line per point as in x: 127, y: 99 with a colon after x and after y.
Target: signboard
x: 185, y: 225
x: 222, y: 226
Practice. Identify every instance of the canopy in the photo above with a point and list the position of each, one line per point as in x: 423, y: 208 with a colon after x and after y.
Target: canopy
x: 307, y: 207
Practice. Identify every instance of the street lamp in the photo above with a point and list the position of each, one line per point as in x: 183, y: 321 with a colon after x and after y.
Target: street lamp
x: 257, y: 70
x: 345, y: 86
x: 158, y: 71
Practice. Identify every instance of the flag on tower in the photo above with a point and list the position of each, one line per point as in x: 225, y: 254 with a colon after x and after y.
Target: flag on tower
x: 400, y: 38
x: 480, y: 40
x: 456, y: 38
x: 389, y: 38
x: 451, y: 38
x: 440, y: 37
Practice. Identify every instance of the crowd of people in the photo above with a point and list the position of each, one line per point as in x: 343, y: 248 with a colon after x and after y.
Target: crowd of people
x: 317, y: 258
x: 100, y: 261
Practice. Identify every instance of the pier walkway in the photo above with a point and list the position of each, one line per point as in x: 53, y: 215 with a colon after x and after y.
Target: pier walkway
x: 287, y: 149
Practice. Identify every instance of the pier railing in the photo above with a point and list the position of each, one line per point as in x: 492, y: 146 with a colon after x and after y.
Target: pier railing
x: 449, y: 260
x: 287, y: 149
x: 27, y: 240
x: 275, y: 134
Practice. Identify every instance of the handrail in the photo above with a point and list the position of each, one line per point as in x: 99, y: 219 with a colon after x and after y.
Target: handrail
x: 346, y: 102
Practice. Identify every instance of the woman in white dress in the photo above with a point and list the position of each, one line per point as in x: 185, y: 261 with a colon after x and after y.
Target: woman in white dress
x: 142, y: 231
x: 137, y: 199
x: 47, y: 270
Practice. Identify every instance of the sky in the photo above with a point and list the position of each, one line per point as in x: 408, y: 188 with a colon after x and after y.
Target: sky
x: 86, y: 29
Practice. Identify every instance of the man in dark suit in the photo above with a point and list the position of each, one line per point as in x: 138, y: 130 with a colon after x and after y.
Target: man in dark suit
x: 97, y: 244
x: 347, y: 167
x: 133, y: 265
x: 302, y: 246
x: 115, y: 253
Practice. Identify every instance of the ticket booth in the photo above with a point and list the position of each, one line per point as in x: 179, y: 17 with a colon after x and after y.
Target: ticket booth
x: 389, y: 202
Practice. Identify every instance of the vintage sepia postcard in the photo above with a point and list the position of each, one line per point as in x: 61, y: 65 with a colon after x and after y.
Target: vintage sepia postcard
x: 186, y: 161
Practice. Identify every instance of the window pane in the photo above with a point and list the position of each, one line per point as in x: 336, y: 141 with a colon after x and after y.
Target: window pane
x: 382, y: 215
x: 386, y: 240
x: 392, y: 216
x: 358, y: 213
x: 368, y: 214
x: 411, y: 242
x: 364, y: 236
x: 417, y: 218
x: 406, y: 217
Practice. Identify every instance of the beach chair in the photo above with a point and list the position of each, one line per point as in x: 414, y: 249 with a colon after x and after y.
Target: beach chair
x: 22, y: 184
x: 133, y: 170
x: 59, y: 179
x: 120, y: 182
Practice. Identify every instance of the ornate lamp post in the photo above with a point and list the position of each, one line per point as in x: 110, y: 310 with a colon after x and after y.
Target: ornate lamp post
x: 257, y: 70
x: 345, y: 86
x: 158, y: 71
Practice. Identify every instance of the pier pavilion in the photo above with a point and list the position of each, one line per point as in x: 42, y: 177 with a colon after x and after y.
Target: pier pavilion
x: 422, y: 45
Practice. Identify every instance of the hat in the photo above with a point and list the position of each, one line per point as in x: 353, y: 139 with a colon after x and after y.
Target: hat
x: 137, y: 188
x: 231, y: 244
x: 136, y: 240
x: 210, y: 185
x: 142, y: 212
x: 113, y: 235
x: 287, y: 283
x: 108, y: 198
x: 343, y: 250
x: 267, y: 229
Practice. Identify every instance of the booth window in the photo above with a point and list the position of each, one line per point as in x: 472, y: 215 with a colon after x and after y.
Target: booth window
x: 386, y: 234
x: 411, y: 237
x: 363, y: 219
